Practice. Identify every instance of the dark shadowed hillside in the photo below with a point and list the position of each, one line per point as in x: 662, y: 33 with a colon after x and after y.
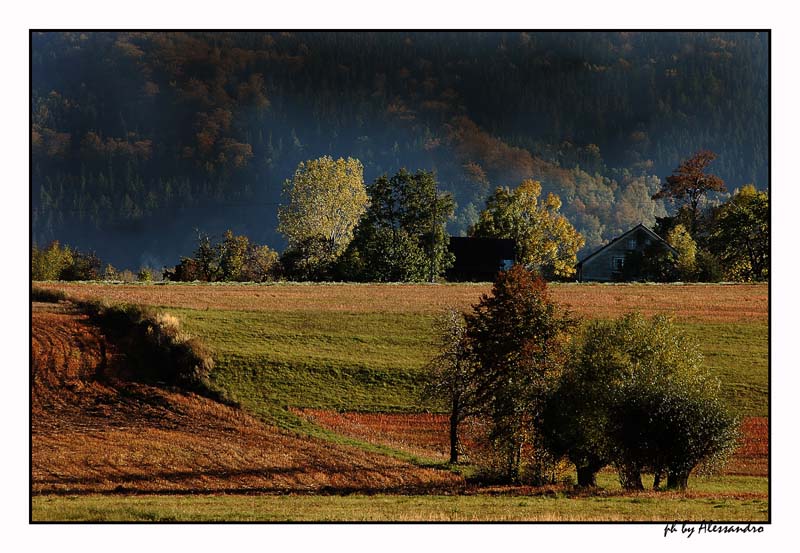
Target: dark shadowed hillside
x: 141, y: 139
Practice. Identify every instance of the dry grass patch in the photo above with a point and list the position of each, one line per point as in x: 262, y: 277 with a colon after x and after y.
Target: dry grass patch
x: 701, y: 302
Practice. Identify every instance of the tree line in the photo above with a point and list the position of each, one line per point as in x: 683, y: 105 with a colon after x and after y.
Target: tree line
x: 394, y: 230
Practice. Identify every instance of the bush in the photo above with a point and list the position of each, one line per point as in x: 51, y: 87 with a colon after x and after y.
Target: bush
x: 635, y: 394
x: 155, y: 345
x: 47, y: 295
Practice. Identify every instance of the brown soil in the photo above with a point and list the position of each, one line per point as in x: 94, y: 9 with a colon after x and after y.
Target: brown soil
x: 427, y: 435
x: 93, y: 432
x: 706, y: 302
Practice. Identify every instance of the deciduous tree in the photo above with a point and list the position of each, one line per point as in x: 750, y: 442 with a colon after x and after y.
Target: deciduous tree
x: 689, y: 183
x: 518, y: 337
x: 740, y: 235
x: 403, y: 235
x: 324, y: 201
x: 635, y: 394
x: 452, y: 373
x: 545, y: 239
x: 680, y: 239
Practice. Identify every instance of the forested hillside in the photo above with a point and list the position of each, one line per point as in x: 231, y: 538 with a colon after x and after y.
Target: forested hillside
x: 139, y: 140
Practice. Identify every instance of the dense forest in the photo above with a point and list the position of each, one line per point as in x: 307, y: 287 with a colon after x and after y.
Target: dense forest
x: 142, y: 141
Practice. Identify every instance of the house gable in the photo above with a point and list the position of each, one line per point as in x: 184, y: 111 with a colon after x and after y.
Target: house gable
x: 606, y: 264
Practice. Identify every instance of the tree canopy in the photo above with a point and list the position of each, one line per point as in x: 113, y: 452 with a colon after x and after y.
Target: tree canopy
x: 635, y: 394
x: 519, y: 339
x: 689, y: 183
x: 740, y: 235
x: 402, y: 235
x: 545, y: 239
x: 324, y: 202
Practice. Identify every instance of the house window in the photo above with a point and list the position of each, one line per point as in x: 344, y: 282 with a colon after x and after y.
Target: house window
x: 632, y: 244
x: 617, y: 263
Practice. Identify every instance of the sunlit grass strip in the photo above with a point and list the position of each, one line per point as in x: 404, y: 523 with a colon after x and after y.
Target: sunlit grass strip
x: 554, y: 507
x: 699, y: 302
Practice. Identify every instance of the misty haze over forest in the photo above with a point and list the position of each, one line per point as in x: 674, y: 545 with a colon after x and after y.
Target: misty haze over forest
x: 140, y: 140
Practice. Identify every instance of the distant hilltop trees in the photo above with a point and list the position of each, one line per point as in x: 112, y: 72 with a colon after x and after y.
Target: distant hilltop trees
x: 394, y: 230
x: 143, y: 135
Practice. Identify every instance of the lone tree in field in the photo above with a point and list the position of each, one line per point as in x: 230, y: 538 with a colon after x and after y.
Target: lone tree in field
x: 325, y: 199
x: 518, y: 337
x: 452, y: 373
x: 690, y: 182
x: 545, y: 239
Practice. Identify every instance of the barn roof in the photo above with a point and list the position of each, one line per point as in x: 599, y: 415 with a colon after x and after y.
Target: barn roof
x: 622, y: 236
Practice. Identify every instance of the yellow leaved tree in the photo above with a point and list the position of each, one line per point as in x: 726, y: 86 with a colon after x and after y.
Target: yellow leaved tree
x: 324, y: 201
x: 545, y: 240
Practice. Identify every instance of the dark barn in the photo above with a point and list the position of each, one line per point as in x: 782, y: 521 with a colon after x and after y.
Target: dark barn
x: 608, y: 264
x: 480, y: 259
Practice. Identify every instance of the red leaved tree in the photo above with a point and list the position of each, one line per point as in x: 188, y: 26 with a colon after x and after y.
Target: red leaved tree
x: 690, y: 182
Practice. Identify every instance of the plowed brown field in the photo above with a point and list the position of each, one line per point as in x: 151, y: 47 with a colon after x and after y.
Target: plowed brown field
x: 702, y: 302
x: 427, y: 435
x: 94, y: 431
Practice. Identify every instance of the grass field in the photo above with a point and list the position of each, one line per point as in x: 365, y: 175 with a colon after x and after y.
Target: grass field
x: 282, y: 350
x: 431, y: 508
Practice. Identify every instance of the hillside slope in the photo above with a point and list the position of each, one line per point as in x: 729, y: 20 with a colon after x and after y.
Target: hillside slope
x: 94, y: 432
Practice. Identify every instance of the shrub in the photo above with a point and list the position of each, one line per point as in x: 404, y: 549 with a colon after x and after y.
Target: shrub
x: 156, y: 348
x: 47, y: 295
x: 635, y: 394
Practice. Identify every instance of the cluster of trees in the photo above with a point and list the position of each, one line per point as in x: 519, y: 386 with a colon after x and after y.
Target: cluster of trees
x: 57, y: 262
x: 135, y: 131
x: 234, y: 258
x: 394, y: 229
x: 339, y: 228
x: 631, y: 392
x: 62, y: 262
x: 729, y: 241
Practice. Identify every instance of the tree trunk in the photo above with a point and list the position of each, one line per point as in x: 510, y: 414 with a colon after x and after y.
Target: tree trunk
x: 630, y: 478
x: 658, y: 474
x: 453, y: 438
x: 677, y: 480
x: 587, y: 477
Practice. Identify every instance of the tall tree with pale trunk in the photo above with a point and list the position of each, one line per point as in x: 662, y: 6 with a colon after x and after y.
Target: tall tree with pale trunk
x: 325, y: 199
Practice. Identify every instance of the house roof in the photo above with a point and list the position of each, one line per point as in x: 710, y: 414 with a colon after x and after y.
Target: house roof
x: 623, y: 236
x: 481, y: 248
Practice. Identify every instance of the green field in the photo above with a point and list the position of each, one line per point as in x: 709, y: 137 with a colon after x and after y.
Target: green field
x: 433, y: 508
x: 375, y: 361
